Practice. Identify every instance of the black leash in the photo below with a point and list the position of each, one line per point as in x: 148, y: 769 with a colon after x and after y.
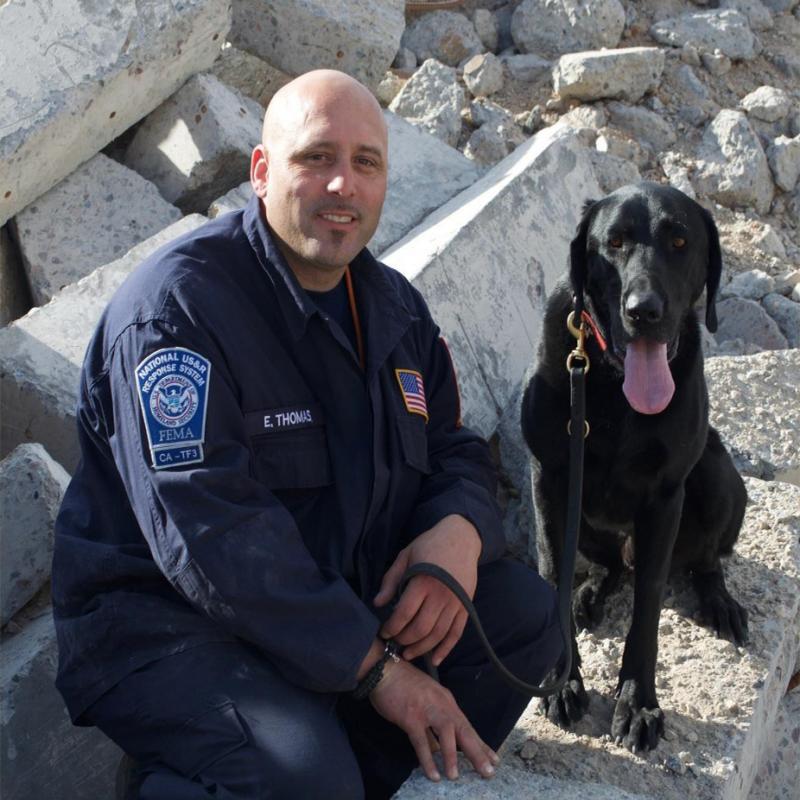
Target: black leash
x: 578, y: 429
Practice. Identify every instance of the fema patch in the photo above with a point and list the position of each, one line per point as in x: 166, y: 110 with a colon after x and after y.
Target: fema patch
x: 173, y: 394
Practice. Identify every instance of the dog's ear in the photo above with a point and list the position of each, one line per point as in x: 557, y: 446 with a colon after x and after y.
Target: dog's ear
x: 577, y: 249
x: 713, y: 271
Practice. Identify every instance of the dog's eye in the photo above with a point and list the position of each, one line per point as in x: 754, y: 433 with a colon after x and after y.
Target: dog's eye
x: 615, y: 242
x: 679, y: 242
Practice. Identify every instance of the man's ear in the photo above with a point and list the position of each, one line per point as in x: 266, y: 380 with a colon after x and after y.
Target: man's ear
x: 713, y: 270
x: 577, y: 249
x: 259, y: 167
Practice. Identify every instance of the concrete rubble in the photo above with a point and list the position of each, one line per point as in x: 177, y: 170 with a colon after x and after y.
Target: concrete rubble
x: 732, y: 166
x: 43, y: 755
x: 32, y: 486
x: 58, y: 233
x: 198, y: 143
x: 91, y: 71
x: 624, y: 74
x: 41, y: 354
x: 550, y: 29
x: 724, y: 30
x: 483, y: 198
x: 433, y: 100
x: 443, y: 35
x: 359, y: 37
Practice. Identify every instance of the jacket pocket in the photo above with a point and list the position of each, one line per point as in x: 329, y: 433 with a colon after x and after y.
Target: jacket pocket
x: 296, y: 459
x: 414, y: 441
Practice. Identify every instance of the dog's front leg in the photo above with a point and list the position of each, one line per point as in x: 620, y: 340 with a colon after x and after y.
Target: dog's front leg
x: 638, y: 721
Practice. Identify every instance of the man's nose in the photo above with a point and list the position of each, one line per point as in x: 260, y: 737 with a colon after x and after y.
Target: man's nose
x: 342, y: 181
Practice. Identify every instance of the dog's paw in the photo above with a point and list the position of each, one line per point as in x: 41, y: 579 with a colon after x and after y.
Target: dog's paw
x: 637, y: 727
x: 588, y: 605
x: 728, y: 618
x: 567, y: 706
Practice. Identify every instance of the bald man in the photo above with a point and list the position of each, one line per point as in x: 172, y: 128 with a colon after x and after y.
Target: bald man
x: 270, y: 431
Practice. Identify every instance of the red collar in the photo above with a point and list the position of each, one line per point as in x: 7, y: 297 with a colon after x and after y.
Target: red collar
x: 586, y: 317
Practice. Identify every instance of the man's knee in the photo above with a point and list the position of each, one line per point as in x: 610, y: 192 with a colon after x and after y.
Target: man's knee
x: 519, y: 611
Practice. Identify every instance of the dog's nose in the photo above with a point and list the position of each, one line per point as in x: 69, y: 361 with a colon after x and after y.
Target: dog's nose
x: 644, y: 306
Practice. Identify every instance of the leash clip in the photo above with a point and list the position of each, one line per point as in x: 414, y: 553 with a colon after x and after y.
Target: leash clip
x: 579, y: 332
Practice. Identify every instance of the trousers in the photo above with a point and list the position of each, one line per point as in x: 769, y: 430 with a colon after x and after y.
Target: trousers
x: 218, y: 720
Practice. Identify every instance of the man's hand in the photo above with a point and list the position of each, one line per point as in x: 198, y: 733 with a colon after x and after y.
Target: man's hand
x: 413, y: 701
x: 429, y: 615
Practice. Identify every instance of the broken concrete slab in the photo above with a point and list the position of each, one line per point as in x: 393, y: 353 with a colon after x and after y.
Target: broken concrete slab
x: 32, y: 486
x: 197, y: 144
x: 92, y: 217
x: 235, y: 199
x: 41, y: 354
x: 359, y: 37
x: 754, y: 407
x: 747, y: 320
x: 487, y: 289
x: 779, y: 776
x: 624, y: 74
x: 424, y: 173
x: 77, y: 74
x: 248, y: 74
x: 43, y: 755
x: 15, y: 296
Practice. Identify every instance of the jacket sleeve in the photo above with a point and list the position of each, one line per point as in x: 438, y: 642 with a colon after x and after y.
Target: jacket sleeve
x: 218, y: 535
x: 462, y: 479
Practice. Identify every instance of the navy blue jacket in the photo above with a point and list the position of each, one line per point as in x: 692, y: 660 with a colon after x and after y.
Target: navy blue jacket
x: 242, y: 475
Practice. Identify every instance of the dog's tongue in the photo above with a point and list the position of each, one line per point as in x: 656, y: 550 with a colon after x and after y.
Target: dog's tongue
x: 648, y: 382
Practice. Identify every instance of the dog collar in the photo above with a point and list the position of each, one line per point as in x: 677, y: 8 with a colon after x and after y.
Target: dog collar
x: 586, y: 317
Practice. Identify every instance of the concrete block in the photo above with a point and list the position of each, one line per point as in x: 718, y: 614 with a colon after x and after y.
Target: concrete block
x: 359, y: 37
x: 41, y: 354
x: 15, y: 296
x: 248, y: 74
x: 754, y: 407
x: 197, y: 145
x: 42, y: 754
x: 77, y: 74
x: 231, y: 201
x: 32, y: 486
x: 624, y: 74
x: 486, y: 260
x: 92, y: 217
x: 779, y: 776
x: 423, y: 174
x: 720, y: 702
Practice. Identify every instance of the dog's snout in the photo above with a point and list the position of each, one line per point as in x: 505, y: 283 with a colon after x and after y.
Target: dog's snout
x: 644, y: 306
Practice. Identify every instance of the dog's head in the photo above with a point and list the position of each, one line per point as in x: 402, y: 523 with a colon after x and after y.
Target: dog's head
x: 641, y: 259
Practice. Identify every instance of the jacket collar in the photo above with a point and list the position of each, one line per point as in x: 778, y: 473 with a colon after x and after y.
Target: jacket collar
x: 383, y: 313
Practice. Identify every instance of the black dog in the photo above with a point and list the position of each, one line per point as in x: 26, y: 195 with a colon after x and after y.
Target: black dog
x: 659, y: 488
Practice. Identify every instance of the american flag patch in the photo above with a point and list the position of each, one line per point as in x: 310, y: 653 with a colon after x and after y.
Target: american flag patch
x: 413, y: 391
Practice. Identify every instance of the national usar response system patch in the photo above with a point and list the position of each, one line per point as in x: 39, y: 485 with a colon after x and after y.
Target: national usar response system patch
x: 173, y: 395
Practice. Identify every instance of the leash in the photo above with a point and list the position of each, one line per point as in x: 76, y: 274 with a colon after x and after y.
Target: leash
x: 578, y: 429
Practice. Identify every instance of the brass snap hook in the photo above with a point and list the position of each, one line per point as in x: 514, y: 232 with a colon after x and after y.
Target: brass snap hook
x: 579, y: 332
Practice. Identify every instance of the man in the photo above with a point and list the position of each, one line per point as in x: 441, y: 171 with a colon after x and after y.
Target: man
x: 271, y: 435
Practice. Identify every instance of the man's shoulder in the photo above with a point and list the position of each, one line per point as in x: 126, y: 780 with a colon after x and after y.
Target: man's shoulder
x: 193, y: 265
x: 407, y: 293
